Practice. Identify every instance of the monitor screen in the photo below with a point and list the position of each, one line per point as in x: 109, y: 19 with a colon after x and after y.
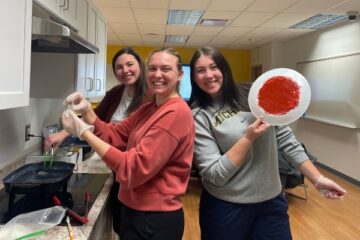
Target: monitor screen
x: 185, y: 85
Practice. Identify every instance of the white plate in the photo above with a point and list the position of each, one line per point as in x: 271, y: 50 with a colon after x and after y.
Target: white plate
x: 291, y: 115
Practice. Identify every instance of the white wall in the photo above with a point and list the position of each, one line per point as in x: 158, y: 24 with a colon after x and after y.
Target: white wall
x: 336, y: 147
x: 48, y: 89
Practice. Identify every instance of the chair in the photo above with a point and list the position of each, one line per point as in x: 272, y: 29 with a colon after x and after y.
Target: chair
x: 291, y: 177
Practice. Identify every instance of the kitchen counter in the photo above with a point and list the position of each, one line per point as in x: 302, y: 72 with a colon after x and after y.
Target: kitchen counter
x: 99, y: 214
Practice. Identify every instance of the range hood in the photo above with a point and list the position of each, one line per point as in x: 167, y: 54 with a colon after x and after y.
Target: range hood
x: 55, y: 37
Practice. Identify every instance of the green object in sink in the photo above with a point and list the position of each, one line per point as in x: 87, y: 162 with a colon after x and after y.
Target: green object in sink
x: 49, y: 157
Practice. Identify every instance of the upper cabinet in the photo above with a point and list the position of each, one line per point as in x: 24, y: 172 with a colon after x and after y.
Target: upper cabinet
x: 15, y: 22
x: 66, y: 10
x: 91, y: 67
x: 101, y: 42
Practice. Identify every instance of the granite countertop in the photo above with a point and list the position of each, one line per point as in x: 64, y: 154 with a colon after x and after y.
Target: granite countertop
x: 93, y: 164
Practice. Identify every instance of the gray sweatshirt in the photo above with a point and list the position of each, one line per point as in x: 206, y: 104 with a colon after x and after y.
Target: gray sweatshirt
x: 217, y: 130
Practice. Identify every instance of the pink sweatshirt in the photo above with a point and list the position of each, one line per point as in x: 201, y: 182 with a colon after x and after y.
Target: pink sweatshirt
x: 151, y: 154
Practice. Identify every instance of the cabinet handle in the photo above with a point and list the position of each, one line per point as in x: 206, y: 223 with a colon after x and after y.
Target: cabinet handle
x: 98, y: 80
x: 63, y: 5
x: 67, y: 5
x: 91, y: 80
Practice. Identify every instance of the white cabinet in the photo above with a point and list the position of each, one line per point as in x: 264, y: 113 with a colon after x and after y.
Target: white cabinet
x: 101, y: 57
x: 91, y: 67
x: 66, y: 10
x: 15, y: 47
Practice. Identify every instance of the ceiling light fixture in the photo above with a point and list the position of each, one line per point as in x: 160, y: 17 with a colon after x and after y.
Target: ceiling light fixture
x: 176, y: 38
x: 214, y: 22
x: 184, y: 17
x: 320, y: 21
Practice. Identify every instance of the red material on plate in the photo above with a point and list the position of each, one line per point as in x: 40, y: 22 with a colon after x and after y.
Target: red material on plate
x: 279, y: 95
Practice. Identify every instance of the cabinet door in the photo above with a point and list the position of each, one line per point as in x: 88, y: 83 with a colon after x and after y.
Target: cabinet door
x: 69, y: 12
x: 101, y: 57
x: 82, y: 13
x: 66, y: 10
x: 53, y: 6
x: 91, y: 58
x: 15, y: 46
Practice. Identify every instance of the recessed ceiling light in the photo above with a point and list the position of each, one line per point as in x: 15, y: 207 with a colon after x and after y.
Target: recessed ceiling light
x: 176, y: 38
x: 184, y: 17
x: 320, y: 21
x: 214, y: 22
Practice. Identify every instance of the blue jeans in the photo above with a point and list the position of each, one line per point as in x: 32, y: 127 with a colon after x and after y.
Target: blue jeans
x: 233, y: 221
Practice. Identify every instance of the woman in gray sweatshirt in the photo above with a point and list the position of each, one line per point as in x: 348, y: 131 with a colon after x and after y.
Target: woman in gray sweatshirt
x: 237, y: 158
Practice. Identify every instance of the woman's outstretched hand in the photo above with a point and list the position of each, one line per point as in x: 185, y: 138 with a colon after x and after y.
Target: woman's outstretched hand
x: 329, y: 188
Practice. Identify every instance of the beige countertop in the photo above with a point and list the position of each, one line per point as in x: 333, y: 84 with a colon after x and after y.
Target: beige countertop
x: 92, y: 165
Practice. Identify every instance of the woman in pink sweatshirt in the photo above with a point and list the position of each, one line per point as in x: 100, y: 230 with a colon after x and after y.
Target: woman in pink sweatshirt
x: 150, y: 151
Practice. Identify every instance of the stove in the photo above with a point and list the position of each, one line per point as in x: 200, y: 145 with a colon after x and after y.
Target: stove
x: 73, y: 198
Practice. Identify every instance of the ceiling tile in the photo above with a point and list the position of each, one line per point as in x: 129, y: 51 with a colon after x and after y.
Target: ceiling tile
x: 229, y: 5
x: 153, y: 44
x: 152, y: 28
x: 112, y: 3
x: 153, y: 38
x: 221, y: 40
x: 313, y: 7
x: 220, y: 15
x: 242, y: 43
x: 115, y: 42
x: 179, y: 29
x: 123, y: 15
x: 189, y: 4
x: 130, y: 28
x: 270, y: 6
x: 131, y: 22
x: 130, y: 37
x: 150, y: 3
x: 112, y: 36
x: 262, y: 32
x: 286, y: 20
x: 155, y: 16
x: 198, y: 40
x: 353, y: 5
x: 235, y: 31
x: 132, y: 43
x: 206, y: 31
x: 251, y: 19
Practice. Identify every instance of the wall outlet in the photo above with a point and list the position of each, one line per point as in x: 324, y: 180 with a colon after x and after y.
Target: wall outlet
x: 27, y: 132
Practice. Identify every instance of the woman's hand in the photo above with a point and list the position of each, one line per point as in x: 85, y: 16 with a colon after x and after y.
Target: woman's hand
x: 329, y: 188
x: 74, y: 125
x: 55, y: 139
x: 256, y: 129
x: 77, y: 103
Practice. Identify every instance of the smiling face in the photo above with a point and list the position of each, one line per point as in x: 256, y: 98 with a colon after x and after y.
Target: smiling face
x: 163, y: 75
x: 208, y: 76
x: 127, y: 69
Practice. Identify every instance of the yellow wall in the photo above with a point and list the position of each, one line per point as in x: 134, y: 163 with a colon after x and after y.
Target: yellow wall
x: 239, y: 60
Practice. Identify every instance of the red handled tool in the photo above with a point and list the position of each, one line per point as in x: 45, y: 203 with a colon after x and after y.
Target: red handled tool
x: 87, y: 201
x: 71, y: 213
